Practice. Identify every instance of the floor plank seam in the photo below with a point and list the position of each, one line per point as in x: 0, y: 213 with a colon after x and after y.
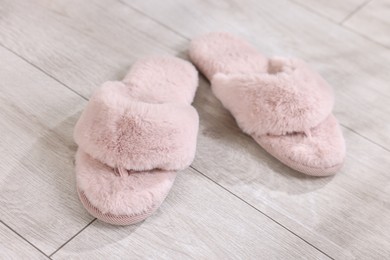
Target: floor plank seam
x: 357, y: 9
x: 314, y: 12
x: 134, y: 28
x: 341, y: 25
x: 273, y: 220
x: 186, y: 38
x: 321, y: 219
x: 70, y: 239
x: 155, y: 20
x: 305, y: 7
x: 366, y: 37
x: 87, y: 99
x: 41, y: 70
x: 366, y: 138
x: 19, y: 235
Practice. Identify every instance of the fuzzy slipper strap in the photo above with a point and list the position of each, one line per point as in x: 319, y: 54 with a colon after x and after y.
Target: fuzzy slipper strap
x: 289, y: 98
x: 133, y: 135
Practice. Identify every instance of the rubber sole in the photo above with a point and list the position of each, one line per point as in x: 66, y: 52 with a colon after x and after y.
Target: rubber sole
x: 121, y: 220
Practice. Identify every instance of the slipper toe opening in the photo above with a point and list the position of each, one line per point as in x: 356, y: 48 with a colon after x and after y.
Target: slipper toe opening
x: 320, y: 154
x: 110, y: 194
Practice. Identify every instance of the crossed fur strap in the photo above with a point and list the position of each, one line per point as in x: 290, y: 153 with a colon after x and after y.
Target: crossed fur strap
x: 134, y: 135
x: 289, y: 98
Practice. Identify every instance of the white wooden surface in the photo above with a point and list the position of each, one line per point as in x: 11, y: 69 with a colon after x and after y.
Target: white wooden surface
x: 37, y: 197
x: 373, y: 21
x: 237, y: 201
x: 335, y: 10
x: 198, y: 220
x: 14, y: 247
x: 360, y: 77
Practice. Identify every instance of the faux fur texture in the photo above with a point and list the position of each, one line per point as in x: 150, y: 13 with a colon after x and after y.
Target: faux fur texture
x: 281, y: 102
x: 122, y: 132
x: 323, y: 149
x: 133, y: 136
x: 162, y: 80
x: 292, y: 98
x: 131, y: 194
x: 221, y: 52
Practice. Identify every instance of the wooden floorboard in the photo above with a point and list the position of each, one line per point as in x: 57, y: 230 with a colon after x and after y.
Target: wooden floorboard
x: 83, y: 47
x: 372, y: 21
x: 15, y: 247
x: 38, y: 197
x: 242, y: 203
x: 355, y: 66
x: 345, y: 215
x: 334, y: 10
x: 198, y: 220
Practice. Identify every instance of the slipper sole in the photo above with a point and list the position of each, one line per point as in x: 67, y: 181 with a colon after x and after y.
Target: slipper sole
x: 121, y: 220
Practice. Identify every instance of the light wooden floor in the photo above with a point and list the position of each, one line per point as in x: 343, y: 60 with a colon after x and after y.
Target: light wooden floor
x: 236, y: 201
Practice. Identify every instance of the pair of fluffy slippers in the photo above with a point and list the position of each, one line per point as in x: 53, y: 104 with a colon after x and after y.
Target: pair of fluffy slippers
x: 135, y: 135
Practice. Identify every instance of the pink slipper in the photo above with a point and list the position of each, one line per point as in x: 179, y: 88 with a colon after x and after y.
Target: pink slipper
x: 133, y: 137
x: 283, y: 104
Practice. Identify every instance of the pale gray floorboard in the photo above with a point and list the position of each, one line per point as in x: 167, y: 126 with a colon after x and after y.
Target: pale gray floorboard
x: 83, y: 44
x: 38, y: 197
x: 355, y: 66
x: 334, y: 10
x: 13, y: 246
x: 326, y: 212
x: 372, y: 21
x: 346, y: 216
x: 361, y: 86
x: 198, y: 220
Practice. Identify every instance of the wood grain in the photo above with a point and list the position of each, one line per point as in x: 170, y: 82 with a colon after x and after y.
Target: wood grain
x: 41, y: 116
x: 325, y: 211
x: 38, y: 197
x: 198, y: 220
x: 334, y: 10
x: 14, y: 247
x: 84, y: 44
x: 360, y: 85
x: 373, y: 21
x: 356, y: 67
x: 346, y: 216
